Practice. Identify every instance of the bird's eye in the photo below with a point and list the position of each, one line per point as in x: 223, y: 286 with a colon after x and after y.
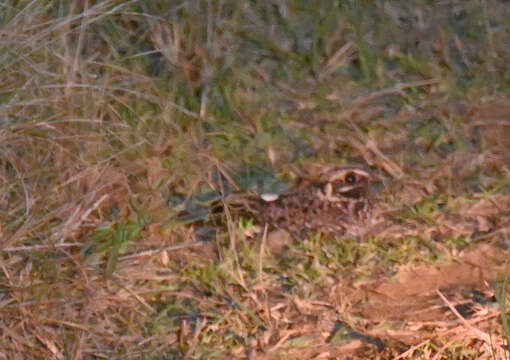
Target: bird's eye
x: 350, y: 178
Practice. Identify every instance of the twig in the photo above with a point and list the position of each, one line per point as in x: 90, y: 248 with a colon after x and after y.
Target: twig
x: 201, y: 323
x: 395, y: 90
x: 491, y: 123
x: 485, y: 337
x: 69, y: 226
x: 137, y: 297
x: 157, y: 251
x: 40, y: 247
x: 127, y: 91
x: 285, y: 338
x: 122, y: 258
x: 261, y: 277
x: 338, y: 59
x: 411, y: 350
x: 390, y: 166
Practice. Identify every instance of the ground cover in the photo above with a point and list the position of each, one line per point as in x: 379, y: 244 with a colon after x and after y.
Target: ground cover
x: 115, y: 116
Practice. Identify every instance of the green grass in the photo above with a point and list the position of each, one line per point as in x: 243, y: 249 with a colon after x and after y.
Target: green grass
x: 116, y: 115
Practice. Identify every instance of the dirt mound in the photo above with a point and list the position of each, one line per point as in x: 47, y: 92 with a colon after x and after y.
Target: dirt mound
x: 427, y: 300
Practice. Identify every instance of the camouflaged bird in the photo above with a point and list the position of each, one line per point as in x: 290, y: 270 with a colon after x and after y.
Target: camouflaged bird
x: 335, y: 201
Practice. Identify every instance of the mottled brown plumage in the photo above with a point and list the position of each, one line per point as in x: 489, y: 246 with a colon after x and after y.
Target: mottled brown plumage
x: 334, y: 201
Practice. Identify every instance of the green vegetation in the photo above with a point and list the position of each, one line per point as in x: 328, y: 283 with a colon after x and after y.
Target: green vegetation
x: 131, y: 131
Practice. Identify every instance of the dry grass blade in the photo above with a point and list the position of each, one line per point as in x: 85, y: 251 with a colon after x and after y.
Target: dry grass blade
x: 233, y: 239
x: 118, y: 117
x: 476, y: 332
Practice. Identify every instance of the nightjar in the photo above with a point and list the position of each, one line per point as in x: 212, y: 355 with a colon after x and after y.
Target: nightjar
x: 335, y: 201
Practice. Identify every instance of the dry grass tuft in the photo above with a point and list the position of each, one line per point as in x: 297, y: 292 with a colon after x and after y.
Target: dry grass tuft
x: 116, y: 117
